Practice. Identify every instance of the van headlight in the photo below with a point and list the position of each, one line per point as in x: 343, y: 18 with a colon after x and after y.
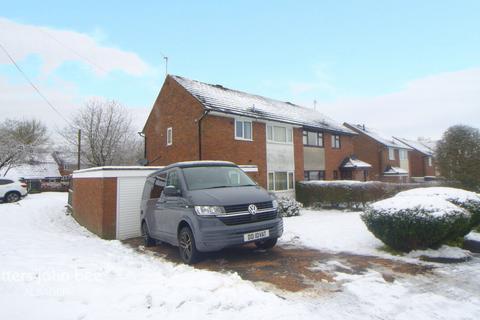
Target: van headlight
x: 209, y: 210
x: 275, y: 204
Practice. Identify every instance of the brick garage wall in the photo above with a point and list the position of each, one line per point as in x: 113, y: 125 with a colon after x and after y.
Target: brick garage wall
x: 95, y: 205
x: 417, y: 163
x: 334, y: 157
x: 175, y: 108
x: 298, y: 153
x: 429, y: 170
x: 219, y: 143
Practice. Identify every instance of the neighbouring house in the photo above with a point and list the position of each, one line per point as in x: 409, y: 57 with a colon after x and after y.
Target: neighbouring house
x: 388, y: 157
x: 191, y: 120
x: 421, y: 160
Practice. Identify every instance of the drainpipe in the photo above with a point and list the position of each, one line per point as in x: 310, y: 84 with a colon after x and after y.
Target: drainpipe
x: 200, y: 134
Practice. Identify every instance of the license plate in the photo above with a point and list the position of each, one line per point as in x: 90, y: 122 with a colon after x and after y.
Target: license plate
x: 255, y: 235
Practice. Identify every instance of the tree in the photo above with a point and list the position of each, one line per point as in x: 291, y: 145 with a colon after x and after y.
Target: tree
x: 107, y: 135
x: 458, y: 156
x: 20, y: 141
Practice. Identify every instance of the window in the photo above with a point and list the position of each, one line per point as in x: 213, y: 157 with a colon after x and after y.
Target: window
x: 279, y: 181
x: 158, y: 185
x: 279, y: 134
x: 243, y: 130
x: 313, y: 139
x: 336, y: 142
x: 5, y: 181
x: 314, y: 175
x: 391, y: 154
x: 169, y: 136
x: 210, y: 177
x: 429, y: 161
x: 172, y: 180
x: 403, y: 154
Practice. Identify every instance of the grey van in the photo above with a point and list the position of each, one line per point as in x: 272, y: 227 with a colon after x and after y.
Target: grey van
x: 203, y: 206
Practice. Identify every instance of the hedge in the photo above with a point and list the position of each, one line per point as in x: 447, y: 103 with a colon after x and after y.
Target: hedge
x: 347, y: 194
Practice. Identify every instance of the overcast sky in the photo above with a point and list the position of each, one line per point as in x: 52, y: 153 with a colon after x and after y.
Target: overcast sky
x: 406, y: 68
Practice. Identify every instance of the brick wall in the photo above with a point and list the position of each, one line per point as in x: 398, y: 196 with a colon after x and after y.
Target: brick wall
x: 175, y: 108
x: 94, y: 205
x: 298, y: 153
x: 417, y: 163
x: 334, y: 157
x: 219, y: 143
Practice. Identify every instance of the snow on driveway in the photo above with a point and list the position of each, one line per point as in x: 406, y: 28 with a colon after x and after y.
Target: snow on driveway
x: 51, y: 268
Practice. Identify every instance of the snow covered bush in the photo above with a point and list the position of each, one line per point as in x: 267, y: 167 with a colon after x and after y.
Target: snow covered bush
x: 288, y: 207
x: 465, y: 199
x: 408, y: 223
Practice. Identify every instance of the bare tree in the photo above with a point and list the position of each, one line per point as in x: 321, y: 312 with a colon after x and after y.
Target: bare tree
x: 108, y: 137
x: 20, y: 141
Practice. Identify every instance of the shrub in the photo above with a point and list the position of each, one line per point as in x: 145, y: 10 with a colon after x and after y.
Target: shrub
x: 288, y: 207
x: 465, y: 199
x: 348, y: 194
x: 409, y: 223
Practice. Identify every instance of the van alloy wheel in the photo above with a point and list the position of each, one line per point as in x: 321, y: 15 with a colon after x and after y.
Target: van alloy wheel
x: 186, y: 245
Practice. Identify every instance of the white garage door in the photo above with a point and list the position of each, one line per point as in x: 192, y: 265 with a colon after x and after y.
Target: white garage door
x: 129, y: 195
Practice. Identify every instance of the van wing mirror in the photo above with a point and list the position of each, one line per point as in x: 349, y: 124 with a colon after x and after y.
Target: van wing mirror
x: 172, y: 191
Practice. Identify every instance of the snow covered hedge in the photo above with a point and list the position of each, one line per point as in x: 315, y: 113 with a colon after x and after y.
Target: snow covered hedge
x: 288, y: 207
x: 465, y: 199
x: 346, y: 193
x: 421, y: 218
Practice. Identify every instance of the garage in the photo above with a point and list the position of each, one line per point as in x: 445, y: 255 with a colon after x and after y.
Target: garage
x: 106, y: 200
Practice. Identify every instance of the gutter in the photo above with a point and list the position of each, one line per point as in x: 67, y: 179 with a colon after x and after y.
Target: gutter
x: 205, y: 113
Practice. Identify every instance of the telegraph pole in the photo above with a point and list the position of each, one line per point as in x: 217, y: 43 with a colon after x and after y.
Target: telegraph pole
x: 79, y: 148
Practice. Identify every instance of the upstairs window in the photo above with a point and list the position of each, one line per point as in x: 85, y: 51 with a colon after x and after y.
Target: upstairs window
x: 243, y: 130
x: 391, y: 154
x: 403, y: 154
x: 429, y: 161
x: 336, y: 142
x: 313, y: 139
x: 169, y: 136
x: 279, y: 134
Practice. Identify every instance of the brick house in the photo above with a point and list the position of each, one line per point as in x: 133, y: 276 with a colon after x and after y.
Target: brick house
x: 191, y: 120
x: 389, y: 158
x: 422, y: 164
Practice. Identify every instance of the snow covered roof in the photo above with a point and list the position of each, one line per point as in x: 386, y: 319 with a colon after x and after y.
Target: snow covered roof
x: 395, y: 171
x: 224, y: 100
x: 388, y: 142
x: 353, y: 163
x: 417, y: 145
x: 44, y: 166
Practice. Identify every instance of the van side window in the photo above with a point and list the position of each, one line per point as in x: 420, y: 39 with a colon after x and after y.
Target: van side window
x: 172, y: 180
x: 158, y: 185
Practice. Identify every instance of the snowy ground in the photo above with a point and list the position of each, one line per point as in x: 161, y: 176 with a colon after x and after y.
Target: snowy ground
x: 51, y: 268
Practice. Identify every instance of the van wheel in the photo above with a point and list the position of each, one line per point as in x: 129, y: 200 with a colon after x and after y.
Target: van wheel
x: 266, y: 244
x: 147, y: 240
x: 12, y: 196
x: 186, y: 246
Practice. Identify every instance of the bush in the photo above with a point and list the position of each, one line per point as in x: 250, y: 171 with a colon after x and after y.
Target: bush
x: 347, y: 194
x: 288, y: 207
x: 410, y: 223
x: 467, y: 200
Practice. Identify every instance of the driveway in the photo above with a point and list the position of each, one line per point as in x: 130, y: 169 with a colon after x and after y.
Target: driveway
x: 290, y: 268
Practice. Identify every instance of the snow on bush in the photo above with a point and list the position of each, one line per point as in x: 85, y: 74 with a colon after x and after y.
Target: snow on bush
x: 462, y: 198
x: 408, y: 223
x: 288, y: 207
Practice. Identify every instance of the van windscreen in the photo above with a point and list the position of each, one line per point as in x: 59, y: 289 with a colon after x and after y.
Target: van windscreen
x: 215, y: 177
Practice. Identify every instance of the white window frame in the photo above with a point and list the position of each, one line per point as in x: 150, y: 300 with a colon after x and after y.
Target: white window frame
x: 430, y: 161
x: 243, y: 121
x: 391, y: 153
x: 288, y: 180
x: 403, y: 154
x: 288, y: 133
x: 334, y: 141
x: 169, y: 136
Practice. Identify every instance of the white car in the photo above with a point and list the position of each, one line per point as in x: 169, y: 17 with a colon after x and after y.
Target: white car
x: 11, y: 190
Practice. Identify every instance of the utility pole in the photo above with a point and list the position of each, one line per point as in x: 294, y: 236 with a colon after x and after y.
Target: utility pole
x: 79, y: 148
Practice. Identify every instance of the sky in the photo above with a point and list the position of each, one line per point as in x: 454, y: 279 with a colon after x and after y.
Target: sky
x: 404, y: 68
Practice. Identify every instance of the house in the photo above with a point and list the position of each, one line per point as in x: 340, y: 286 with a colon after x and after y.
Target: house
x: 191, y: 120
x: 422, y: 164
x: 388, y: 157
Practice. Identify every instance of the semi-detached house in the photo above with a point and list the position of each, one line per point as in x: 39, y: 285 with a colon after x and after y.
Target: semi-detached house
x: 283, y: 142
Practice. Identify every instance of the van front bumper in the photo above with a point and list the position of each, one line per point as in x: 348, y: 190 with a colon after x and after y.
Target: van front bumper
x: 212, y: 235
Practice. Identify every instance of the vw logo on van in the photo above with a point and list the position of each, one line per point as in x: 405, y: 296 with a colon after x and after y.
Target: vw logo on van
x: 252, y: 209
